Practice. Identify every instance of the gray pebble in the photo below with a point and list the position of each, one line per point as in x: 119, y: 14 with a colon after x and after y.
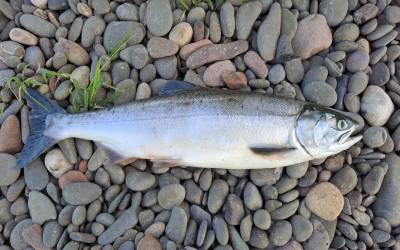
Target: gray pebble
x: 252, y: 197
x: 246, y: 15
x: 36, y: 175
x: 81, y: 193
x: 177, y: 225
x: 41, y: 208
x: 320, y: 93
x: 216, y: 196
x: 159, y: 17
x: 136, y: 56
x: 139, y: 181
x: 262, y: 219
x: 234, y: 210
x: 281, y: 232
x: 227, y: 19
x: 171, y: 195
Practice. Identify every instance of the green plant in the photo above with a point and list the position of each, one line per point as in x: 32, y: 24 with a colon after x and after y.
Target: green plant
x: 184, y: 4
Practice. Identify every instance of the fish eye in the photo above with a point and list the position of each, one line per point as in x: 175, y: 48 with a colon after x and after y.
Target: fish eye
x: 342, y: 124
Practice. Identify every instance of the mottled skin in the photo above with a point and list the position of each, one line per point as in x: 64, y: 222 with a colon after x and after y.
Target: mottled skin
x: 214, y: 129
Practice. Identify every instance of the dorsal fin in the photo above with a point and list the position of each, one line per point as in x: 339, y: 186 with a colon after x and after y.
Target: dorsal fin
x: 174, y: 87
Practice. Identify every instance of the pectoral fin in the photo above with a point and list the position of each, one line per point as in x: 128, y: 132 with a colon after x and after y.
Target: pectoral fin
x: 273, y: 153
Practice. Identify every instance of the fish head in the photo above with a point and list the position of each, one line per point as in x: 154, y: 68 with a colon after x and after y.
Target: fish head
x: 324, y: 131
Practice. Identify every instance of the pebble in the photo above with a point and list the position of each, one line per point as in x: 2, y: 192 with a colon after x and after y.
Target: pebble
x: 376, y: 106
x: 10, y: 135
x: 166, y: 67
x: 357, y: 61
x: 235, y: 80
x: 213, y: 75
x: 23, y: 37
x: 16, y: 240
x: 380, y: 74
x: 127, y: 220
x: 334, y: 11
x: 325, y: 200
x: 51, y: 233
x: 136, y: 55
x: 139, y: 181
x: 159, y: 47
x: 258, y: 238
x: 319, y: 238
x: 117, y: 31
x: 256, y: 64
x: 159, y: 17
x: 149, y: 242
x: 127, y: 12
x: 81, y: 193
x: 321, y: 93
x: 392, y: 14
x: 374, y: 137
x: 302, y: 228
x: 357, y: 83
x: 188, y: 49
x: 262, y: 219
x: 276, y: 74
x: 387, y: 204
x: 171, y: 195
x: 9, y: 174
x: 215, y: 53
x: 41, y: 208
x: 314, y: 27
x: 252, y: 197
x: 94, y: 26
x: 345, y: 179
x: 73, y: 51
x: 181, y: 34
x: 33, y: 236
x: 11, y: 53
x: 233, y: 209
x: 56, y: 163
x: 36, y: 176
x: 281, y: 232
x: 227, y: 19
x: 38, y: 26
x: 268, y: 33
x: 216, y: 195
x: 177, y: 225
x: 246, y: 15
x: 365, y: 13
x: 7, y: 9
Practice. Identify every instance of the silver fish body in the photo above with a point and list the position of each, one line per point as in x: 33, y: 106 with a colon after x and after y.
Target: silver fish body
x: 188, y: 126
x: 213, y: 129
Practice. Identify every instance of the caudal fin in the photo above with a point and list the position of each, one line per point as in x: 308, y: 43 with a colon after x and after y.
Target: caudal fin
x: 37, y: 142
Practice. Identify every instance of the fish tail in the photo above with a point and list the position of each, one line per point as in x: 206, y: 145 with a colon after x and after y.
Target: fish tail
x: 37, y: 142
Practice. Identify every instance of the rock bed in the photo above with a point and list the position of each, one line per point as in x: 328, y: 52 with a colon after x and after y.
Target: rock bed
x: 338, y: 53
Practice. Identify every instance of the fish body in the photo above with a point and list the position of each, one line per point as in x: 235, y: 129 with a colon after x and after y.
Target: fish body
x: 198, y: 128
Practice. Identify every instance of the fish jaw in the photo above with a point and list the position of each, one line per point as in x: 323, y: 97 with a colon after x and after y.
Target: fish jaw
x: 350, y: 141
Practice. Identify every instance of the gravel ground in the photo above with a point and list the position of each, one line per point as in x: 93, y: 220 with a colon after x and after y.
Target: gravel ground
x: 337, y: 53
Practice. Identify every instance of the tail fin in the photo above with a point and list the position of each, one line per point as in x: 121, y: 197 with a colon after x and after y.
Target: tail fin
x: 37, y: 142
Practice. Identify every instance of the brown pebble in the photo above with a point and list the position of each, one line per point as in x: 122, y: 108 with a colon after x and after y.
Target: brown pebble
x: 216, y: 52
x: 10, y: 136
x: 256, y: 64
x: 33, y: 236
x: 198, y: 31
x: 83, y: 166
x: 213, y: 74
x: 235, y: 80
x: 84, y: 9
x: 74, y: 52
x: 71, y: 176
x: 187, y: 50
x: 159, y: 47
x: 149, y: 242
x: 23, y: 37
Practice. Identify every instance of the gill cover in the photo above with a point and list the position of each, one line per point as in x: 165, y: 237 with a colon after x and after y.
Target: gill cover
x: 324, y: 131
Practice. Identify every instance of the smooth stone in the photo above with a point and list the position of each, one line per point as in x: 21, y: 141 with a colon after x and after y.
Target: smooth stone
x: 159, y: 18
x: 188, y: 49
x: 41, y: 208
x: 380, y: 74
x: 34, y: 57
x: 11, y: 53
x: 56, y: 163
x: 139, y: 181
x: 375, y: 137
x: 51, y: 233
x: 376, y: 106
x: 357, y: 83
x: 38, y: 26
x: 128, y: 89
x: 81, y: 193
x: 281, y: 232
x: 9, y: 173
x: 101, y: 6
x: 252, y: 197
x: 320, y: 93
x: 181, y: 34
x: 345, y: 179
x: 268, y: 33
x: 177, y: 225
x: 81, y: 75
x: 387, y: 202
x: 276, y: 74
x: 159, y: 47
x: 302, y: 228
x: 235, y: 80
x: 216, y: 195
x: 127, y: 220
x: 117, y: 31
x: 16, y: 239
x: 319, y: 239
x: 294, y: 70
x: 7, y: 9
x: 136, y: 55
x: 365, y: 13
x: 5, y: 74
x: 23, y: 37
x: 357, y: 61
x: 262, y: 219
x: 74, y: 52
x: 171, y: 195
x: 212, y: 53
x: 227, y: 19
x: 372, y: 182
x: 166, y: 67
x: 325, y: 200
x: 94, y: 26
x: 334, y: 11
x: 312, y: 28
x: 256, y: 64
x: 392, y: 14
x: 127, y: 12
x: 149, y: 242
x: 36, y: 176
x: 258, y: 238
x: 213, y: 75
x: 233, y: 210
x: 246, y: 15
